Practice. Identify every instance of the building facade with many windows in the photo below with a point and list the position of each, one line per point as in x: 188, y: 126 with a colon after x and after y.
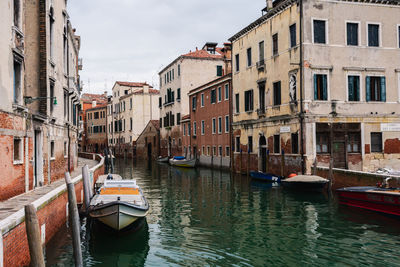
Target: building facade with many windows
x: 39, y: 84
x: 334, y: 93
x: 185, y: 73
x: 206, y: 131
x: 131, y: 107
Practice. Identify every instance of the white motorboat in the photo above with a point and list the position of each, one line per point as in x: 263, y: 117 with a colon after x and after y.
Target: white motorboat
x: 183, y: 162
x: 118, y: 203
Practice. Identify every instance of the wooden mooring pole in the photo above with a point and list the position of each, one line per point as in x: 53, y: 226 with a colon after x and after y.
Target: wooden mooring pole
x: 33, y: 234
x: 283, y: 163
x: 87, y: 188
x: 74, y: 221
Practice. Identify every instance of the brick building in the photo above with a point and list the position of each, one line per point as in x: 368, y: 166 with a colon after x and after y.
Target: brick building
x: 148, y: 142
x: 39, y: 85
x: 185, y: 73
x: 88, y: 101
x: 206, y: 132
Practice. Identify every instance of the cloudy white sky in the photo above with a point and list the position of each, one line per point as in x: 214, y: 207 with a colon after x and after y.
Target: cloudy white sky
x: 131, y: 40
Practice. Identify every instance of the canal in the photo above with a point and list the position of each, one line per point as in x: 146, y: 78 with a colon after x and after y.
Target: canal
x: 203, y: 217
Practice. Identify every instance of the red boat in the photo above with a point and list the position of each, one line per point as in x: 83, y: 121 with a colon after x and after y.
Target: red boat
x: 385, y: 200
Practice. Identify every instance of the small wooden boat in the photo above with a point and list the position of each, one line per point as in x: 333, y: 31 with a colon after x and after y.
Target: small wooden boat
x: 118, y: 203
x: 183, y: 162
x: 305, y: 183
x: 384, y: 200
x: 163, y: 159
x: 267, y: 177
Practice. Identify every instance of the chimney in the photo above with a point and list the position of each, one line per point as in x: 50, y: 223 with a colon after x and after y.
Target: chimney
x: 93, y: 104
x: 269, y: 5
x: 145, y: 89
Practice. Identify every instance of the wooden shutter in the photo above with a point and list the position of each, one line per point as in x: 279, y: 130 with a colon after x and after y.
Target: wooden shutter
x: 324, y: 87
x: 383, y: 89
x: 368, y: 88
x: 315, y: 87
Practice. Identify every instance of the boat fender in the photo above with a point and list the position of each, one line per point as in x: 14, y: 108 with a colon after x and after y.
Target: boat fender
x: 118, y: 198
x: 109, y: 176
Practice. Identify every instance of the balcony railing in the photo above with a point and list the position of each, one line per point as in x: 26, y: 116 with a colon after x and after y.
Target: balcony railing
x: 261, y: 64
x: 261, y: 112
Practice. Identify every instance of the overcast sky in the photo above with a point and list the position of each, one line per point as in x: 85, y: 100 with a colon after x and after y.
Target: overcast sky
x: 131, y: 40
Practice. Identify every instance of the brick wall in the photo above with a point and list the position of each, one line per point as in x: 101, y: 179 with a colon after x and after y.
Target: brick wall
x: 52, y: 214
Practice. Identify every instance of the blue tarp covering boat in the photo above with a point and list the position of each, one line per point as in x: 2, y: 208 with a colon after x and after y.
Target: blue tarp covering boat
x: 179, y: 157
x: 267, y: 177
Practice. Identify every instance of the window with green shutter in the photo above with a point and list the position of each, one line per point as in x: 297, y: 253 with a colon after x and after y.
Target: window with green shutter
x: 219, y: 71
x: 353, y: 87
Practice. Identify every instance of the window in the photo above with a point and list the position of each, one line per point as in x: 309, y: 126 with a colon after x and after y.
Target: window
x: 376, y: 142
x: 184, y: 129
x: 250, y: 144
x: 219, y: 94
x: 17, y: 16
x: 248, y: 57
x: 373, y: 35
x: 295, y: 143
x: 194, y: 103
x: 214, y: 126
x: 353, y: 87
x: 248, y: 100
x: 173, y: 74
x: 376, y: 88
x: 277, y: 145
x: 237, y: 103
x: 131, y: 124
x: 17, y: 81
x: 352, y: 33
x: 293, y: 87
x: 275, y: 44
x: 213, y: 96
x: 398, y: 36
x: 261, y: 51
x: 219, y: 125
x: 277, y: 93
x: 237, y: 143
x: 227, y: 91
x: 51, y: 97
x: 194, y: 128
x: 65, y: 148
x: 18, y: 152
x: 322, y: 142
x: 178, y: 94
x: 261, y: 97
x: 354, y: 142
x: 219, y: 71
x: 320, y: 87
x: 203, y: 150
x: 179, y: 70
x: 51, y: 32
x: 178, y: 118
x: 226, y: 124
x: 227, y: 151
x: 130, y: 103
x: 237, y: 62
x: 202, y: 128
x: 208, y: 151
x: 214, y: 150
x: 319, y: 31
x: 202, y: 100
x: 159, y: 102
x: 220, y: 151
x: 292, y: 31
x: 96, y: 115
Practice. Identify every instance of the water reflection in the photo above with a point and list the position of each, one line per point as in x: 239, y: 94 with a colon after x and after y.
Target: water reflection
x: 207, y: 217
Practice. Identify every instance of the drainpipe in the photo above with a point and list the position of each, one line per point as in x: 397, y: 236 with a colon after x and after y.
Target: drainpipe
x: 301, y: 115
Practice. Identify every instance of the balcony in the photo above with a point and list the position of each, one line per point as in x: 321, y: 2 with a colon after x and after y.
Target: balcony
x: 261, y: 112
x: 261, y: 65
x: 18, y: 40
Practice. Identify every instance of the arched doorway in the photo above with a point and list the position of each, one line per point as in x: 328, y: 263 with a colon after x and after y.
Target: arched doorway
x: 262, y: 163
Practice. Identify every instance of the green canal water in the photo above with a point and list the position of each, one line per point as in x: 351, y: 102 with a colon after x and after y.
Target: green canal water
x: 209, y: 218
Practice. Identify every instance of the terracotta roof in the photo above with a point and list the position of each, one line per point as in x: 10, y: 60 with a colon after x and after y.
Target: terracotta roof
x: 204, y: 54
x: 151, y: 91
x: 156, y: 124
x: 133, y: 84
x: 186, y: 117
x: 94, y: 97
